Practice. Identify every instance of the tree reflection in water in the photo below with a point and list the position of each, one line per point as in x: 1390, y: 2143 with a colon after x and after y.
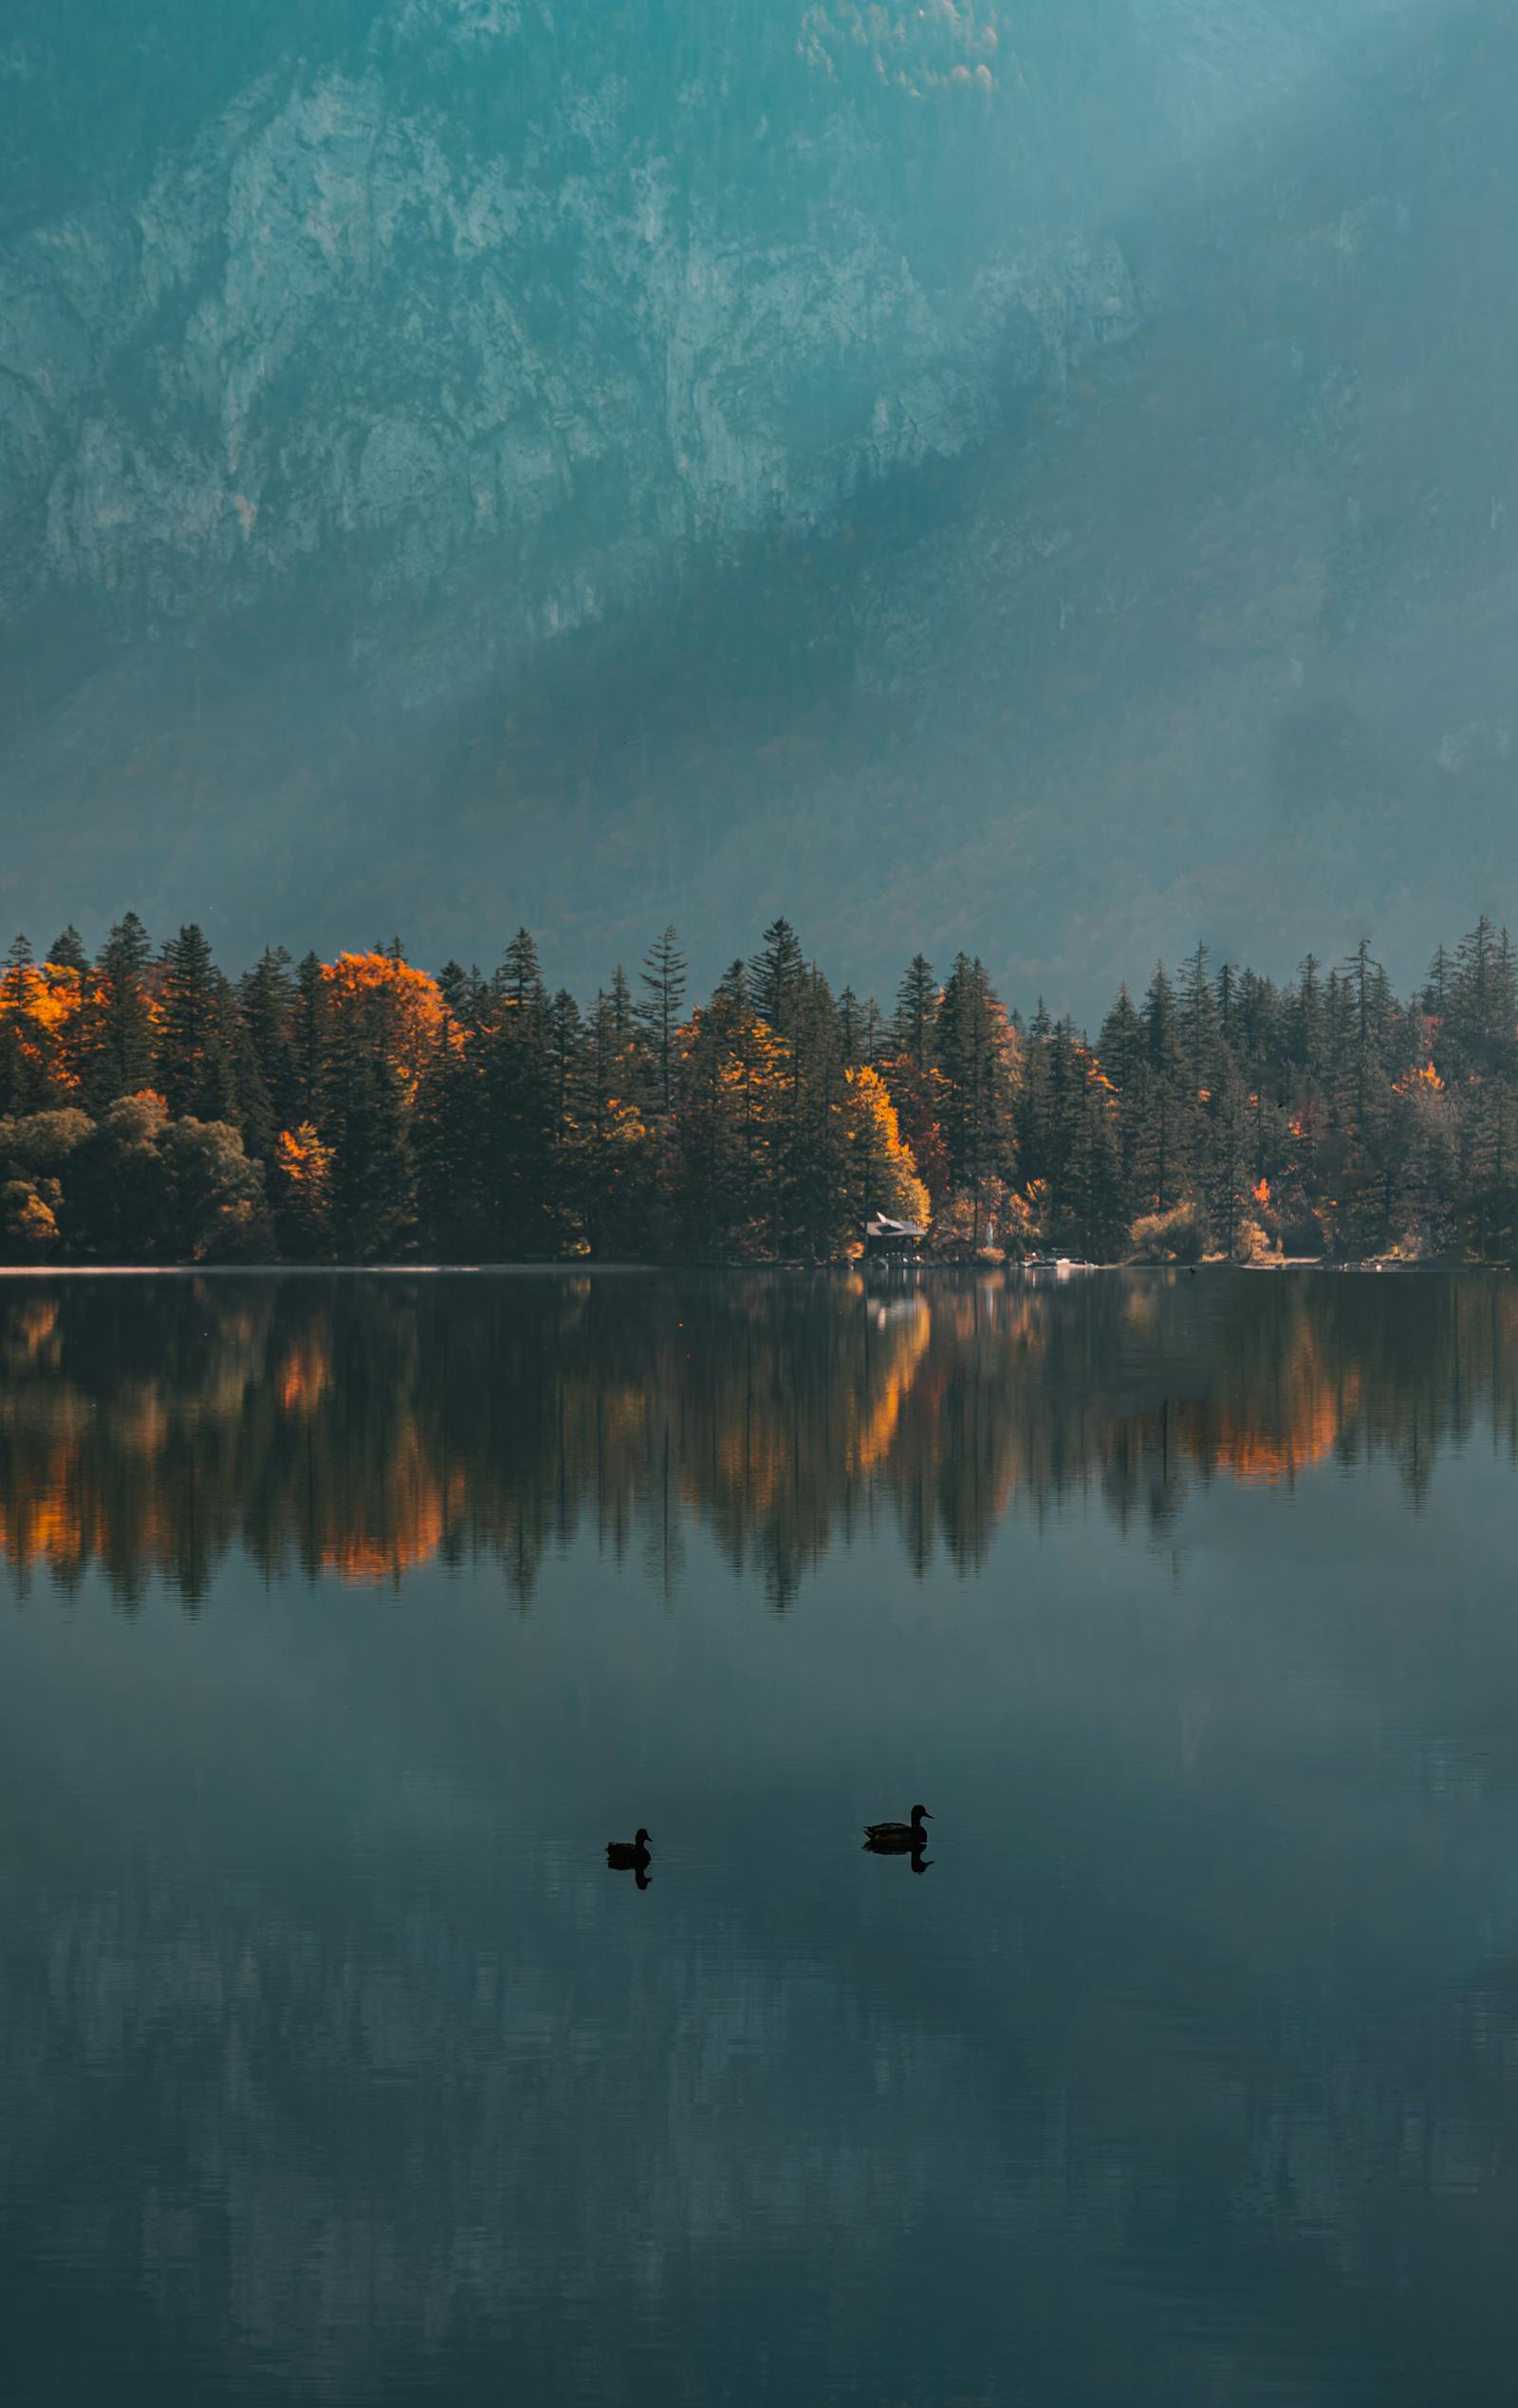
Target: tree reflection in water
x: 358, y: 1426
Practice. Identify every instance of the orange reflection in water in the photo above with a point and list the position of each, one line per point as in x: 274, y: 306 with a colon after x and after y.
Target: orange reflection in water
x: 362, y: 1429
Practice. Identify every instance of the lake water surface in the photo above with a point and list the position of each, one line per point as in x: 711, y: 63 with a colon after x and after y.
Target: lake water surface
x: 343, y: 1620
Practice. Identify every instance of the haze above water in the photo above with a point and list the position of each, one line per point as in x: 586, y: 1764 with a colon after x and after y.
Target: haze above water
x: 349, y: 1617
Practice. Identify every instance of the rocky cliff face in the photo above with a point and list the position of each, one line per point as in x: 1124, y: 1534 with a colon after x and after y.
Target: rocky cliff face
x: 391, y: 399
x: 636, y: 312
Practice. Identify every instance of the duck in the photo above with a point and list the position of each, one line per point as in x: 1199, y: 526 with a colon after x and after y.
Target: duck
x: 630, y: 1856
x: 890, y: 1836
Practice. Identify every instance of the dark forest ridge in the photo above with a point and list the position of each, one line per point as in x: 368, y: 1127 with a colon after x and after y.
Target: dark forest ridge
x: 363, y: 1110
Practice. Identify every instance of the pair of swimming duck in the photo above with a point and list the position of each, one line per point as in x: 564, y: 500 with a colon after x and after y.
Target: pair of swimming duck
x: 881, y: 1839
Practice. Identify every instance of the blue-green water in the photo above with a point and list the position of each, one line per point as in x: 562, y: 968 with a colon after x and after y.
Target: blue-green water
x: 345, y: 1619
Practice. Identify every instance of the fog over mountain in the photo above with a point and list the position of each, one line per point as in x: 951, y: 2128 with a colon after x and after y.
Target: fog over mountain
x: 1034, y: 475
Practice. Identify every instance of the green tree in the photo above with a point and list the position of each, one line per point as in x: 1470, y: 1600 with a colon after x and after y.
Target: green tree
x: 196, y: 1033
x: 1165, y: 1148
x: 614, y: 1152
x: 118, y: 1189
x: 1196, y: 1020
x: 916, y: 1014
x: 518, y: 1133
x: 67, y: 950
x: 777, y: 976
x: 727, y: 1122
x: 662, y: 1010
x: 268, y: 1081
x: 38, y: 1158
x: 1122, y: 1051
x: 212, y: 1194
x: 121, y: 1053
x: 372, y: 1188
x: 977, y: 1060
x: 448, y: 1123
x: 310, y: 1041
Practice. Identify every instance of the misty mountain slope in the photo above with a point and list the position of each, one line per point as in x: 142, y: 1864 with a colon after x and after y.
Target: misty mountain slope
x: 1063, y: 511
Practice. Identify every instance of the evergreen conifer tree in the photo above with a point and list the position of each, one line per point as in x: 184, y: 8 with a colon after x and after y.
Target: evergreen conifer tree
x: 268, y: 1078
x: 517, y: 1076
x: 195, y: 1040
x: 374, y: 1173
x: 1167, y: 1134
x: 67, y: 949
x: 663, y: 978
x: 976, y: 1059
x: 916, y: 1012
x: 311, y: 1040
x: 121, y: 1051
x: 777, y: 976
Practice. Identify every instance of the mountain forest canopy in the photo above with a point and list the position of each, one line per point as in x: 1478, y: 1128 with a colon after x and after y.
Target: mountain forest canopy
x: 154, y: 1110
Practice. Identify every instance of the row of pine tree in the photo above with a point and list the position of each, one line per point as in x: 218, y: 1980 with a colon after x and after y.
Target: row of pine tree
x: 151, y: 1108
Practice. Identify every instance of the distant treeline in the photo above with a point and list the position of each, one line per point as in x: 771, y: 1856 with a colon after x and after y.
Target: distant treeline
x: 154, y: 1110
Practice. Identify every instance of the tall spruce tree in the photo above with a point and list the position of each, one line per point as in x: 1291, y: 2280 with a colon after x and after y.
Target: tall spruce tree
x: 120, y: 1059
x: 446, y: 1128
x: 374, y: 1176
x: 613, y: 1157
x: 662, y: 1010
x: 976, y: 1059
x: 196, y: 1047
x: 1196, y: 1019
x: 518, y: 1137
x: 268, y: 1081
x: 916, y: 1013
x: 67, y: 949
x: 310, y: 1039
x: 1167, y: 1141
x: 1122, y: 1051
x: 850, y: 1027
x: 777, y: 976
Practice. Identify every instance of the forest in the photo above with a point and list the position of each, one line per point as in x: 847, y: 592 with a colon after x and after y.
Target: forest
x: 156, y: 1110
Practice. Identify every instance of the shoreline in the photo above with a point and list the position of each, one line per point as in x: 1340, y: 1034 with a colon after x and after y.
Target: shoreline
x: 894, y: 1274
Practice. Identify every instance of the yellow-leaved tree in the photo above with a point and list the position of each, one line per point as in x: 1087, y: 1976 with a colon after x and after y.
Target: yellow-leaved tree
x: 42, y: 1010
x: 300, y: 1182
x: 378, y: 1003
x: 878, y: 1174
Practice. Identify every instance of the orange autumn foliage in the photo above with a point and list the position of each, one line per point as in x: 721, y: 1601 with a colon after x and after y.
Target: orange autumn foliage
x: 871, y: 1126
x: 301, y: 1157
x: 1424, y: 1082
x: 383, y: 999
x: 302, y: 1182
x: 920, y: 1101
x: 45, y: 1001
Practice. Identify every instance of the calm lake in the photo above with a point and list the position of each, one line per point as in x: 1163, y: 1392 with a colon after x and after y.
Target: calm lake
x: 344, y: 1621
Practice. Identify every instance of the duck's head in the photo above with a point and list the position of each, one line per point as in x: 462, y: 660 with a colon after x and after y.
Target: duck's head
x: 920, y: 1814
x: 641, y: 1838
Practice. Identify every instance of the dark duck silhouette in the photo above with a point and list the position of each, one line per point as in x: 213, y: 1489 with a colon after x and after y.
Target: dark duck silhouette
x: 898, y: 1838
x: 630, y: 1856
